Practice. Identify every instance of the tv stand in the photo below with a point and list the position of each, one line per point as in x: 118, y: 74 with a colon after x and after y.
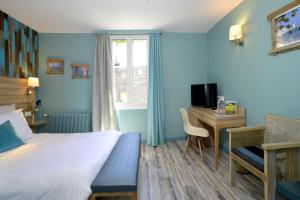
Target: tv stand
x: 199, y: 115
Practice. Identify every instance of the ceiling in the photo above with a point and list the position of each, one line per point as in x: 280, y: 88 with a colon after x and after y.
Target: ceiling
x: 82, y: 16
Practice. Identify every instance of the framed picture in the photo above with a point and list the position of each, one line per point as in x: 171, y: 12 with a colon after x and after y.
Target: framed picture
x: 55, y: 66
x: 80, y: 71
x: 285, y: 28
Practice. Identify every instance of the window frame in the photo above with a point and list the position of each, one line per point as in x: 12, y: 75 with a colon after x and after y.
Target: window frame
x: 130, y: 105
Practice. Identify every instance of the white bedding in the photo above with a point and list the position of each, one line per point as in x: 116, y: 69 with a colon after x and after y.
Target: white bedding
x: 54, y: 166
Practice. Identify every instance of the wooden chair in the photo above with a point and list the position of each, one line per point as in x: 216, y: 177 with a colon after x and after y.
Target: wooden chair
x: 280, y: 142
x: 191, y: 130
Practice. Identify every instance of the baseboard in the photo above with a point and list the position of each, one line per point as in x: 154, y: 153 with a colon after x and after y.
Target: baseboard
x: 170, y: 139
x: 175, y: 138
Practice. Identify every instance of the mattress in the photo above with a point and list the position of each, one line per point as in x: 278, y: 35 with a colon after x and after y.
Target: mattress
x: 55, y: 166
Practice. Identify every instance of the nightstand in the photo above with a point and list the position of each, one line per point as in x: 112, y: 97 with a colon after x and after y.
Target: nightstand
x: 35, y: 125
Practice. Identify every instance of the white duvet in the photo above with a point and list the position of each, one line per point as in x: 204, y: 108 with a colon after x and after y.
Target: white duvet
x: 54, y: 166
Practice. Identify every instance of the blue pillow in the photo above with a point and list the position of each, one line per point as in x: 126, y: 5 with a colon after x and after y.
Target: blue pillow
x: 8, y: 137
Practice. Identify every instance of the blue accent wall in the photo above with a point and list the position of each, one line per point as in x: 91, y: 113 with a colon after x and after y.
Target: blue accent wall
x: 184, y: 63
x: 248, y: 74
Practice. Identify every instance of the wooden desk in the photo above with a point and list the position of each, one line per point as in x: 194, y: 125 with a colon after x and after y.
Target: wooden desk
x: 208, y: 116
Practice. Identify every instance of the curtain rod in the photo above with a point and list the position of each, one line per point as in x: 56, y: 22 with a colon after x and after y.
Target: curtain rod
x: 128, y: 32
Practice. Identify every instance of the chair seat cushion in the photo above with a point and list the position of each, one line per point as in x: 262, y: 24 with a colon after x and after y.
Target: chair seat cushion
x: 291, y: 190
x: 120, y: 171
x: 253, y: 155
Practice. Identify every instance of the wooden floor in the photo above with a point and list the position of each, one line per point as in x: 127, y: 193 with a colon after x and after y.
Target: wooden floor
x: 164, y: 174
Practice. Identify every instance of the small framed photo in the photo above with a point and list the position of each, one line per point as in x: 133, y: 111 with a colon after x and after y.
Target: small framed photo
x: 80, y: 71
x: 55, y: 66
x: 285, y: 28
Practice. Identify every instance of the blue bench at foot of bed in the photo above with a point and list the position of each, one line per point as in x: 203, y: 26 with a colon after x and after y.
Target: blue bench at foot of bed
x: 119, y: 174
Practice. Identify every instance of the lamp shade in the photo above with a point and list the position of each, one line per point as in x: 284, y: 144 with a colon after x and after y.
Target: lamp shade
x: 235, y: 32
x: 33, y: 82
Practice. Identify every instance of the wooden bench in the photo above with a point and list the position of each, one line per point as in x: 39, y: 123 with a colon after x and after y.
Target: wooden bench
x: 119, y: 174
x: 280, y: 143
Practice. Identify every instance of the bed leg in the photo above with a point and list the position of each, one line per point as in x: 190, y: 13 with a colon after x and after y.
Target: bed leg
x: 92, y: 197
x: 134, y: 196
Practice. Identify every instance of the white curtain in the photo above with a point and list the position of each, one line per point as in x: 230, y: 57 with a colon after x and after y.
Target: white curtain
x: 103, y: 109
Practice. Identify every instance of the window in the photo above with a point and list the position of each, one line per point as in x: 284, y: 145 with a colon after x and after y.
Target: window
x: 130, y: 71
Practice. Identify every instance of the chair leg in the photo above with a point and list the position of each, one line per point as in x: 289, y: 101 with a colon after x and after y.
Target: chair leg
x: 186, y: 145
x: 199, y: 143
x: 134, y: 196
x: 232, y: 172
x: 211, y: 140
x: 270, y: 182
x: 202, y: 143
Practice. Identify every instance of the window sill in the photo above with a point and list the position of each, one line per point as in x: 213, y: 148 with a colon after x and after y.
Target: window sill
x: 131, y: 108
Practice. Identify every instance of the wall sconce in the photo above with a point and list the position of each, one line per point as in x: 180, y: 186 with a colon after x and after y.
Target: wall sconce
x: 33, y: 82
x: 236, y: 35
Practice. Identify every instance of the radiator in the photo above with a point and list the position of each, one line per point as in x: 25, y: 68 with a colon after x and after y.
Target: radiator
x: 68, y: 123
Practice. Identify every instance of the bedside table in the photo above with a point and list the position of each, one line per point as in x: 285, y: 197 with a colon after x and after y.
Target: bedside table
x: 35, y: 125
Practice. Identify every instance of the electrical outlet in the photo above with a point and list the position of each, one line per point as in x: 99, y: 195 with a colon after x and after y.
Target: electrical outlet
x: 27, y: 114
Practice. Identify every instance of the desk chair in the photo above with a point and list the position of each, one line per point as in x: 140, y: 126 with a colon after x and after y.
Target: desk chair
x: 191, y: 130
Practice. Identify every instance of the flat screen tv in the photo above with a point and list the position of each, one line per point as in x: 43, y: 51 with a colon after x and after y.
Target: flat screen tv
x: 204, y: 95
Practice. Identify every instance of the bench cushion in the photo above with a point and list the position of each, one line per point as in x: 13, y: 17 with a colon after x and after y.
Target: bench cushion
x: 253, y: 155
x: 120, y: 171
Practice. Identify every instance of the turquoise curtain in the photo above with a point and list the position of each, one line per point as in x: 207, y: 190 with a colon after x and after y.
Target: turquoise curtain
x: 156, y: 109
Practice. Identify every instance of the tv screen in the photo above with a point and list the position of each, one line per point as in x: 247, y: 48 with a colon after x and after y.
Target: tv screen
x: 204, y: 95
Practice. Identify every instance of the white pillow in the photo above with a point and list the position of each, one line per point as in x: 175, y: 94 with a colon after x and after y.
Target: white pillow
x: 7, y: 108
x: 19, y: 122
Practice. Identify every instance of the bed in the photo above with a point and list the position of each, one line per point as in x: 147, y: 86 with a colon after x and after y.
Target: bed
x: 52, y: 166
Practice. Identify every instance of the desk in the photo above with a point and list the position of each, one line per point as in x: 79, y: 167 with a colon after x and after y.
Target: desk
x: 208, y: 116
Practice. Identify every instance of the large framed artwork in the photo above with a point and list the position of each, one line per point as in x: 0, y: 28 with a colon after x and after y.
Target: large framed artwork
x: 285, y: 28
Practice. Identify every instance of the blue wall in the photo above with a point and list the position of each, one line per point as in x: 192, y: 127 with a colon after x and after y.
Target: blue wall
x: 61, y: 93
x: 248, y: 74
x: 133, y: 120
x: 184, y: 62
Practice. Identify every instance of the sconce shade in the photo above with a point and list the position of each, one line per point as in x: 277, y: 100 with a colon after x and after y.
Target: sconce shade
x: 33, y: 82
x: 235, y: 32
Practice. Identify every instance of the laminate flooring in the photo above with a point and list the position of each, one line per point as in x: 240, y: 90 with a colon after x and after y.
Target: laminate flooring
x: 165, y: 174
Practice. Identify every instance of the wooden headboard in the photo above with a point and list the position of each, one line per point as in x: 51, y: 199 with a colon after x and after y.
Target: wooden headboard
x: 14, y: 91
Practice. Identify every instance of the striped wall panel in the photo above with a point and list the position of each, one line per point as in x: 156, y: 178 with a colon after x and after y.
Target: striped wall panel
x: 19, y: 47
x: 68, y: 123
